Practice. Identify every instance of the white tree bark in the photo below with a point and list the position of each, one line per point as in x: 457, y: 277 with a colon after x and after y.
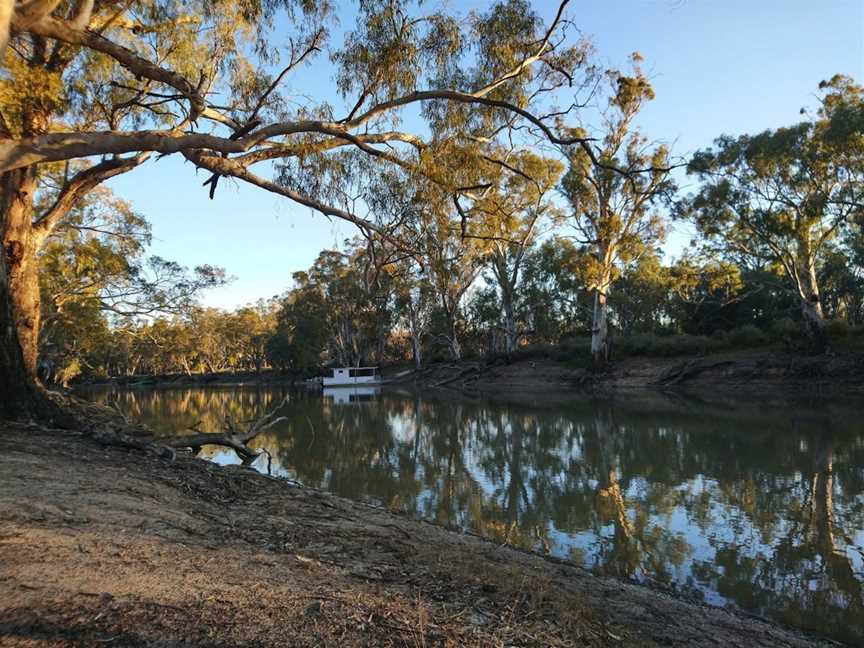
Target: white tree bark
x: 600, y: 329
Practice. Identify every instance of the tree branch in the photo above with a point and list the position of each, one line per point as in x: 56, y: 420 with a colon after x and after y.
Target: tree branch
x: 79, y: 185
x: 49, y: 26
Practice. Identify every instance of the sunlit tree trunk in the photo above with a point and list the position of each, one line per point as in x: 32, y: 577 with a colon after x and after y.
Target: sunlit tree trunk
x: 20, y: 393
x: 452, y: 333
x: 417, y: 305
x: 511, y: 336
x: 811, y: 304
x: 600, y: 319
x: 600, y: 328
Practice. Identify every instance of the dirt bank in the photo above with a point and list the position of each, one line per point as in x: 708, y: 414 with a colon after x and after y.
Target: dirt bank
x: 762, y: 371
x: 101, y: 545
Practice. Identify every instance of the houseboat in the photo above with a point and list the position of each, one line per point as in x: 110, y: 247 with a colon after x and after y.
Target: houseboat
x: 350, y: 376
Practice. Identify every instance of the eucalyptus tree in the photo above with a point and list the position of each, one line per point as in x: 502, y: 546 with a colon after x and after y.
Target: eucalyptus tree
x: 614, y: 213
x: 114, y: 82
x: 98, y: 253
x: 508, y: 217
x: 415, y: 300
x: 301, y: 334
x: 701, y: 292
x: 554, y: 289
x: 780, y: 197
x: 94, y: 267
x: 641, y: 299
x: 453, y: 264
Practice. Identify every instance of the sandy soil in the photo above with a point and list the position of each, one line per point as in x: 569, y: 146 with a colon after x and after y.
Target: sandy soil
x: 105, y: 546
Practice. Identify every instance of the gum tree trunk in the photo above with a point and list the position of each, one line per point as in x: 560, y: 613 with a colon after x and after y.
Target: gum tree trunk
x: 510, y: 333
x: 811, y: 305
x: 600, y: 329
x: 21, y: 396
x: 600, y: 320
x: 453, y: 341
x: 417, y: 350
x: 814, y: 322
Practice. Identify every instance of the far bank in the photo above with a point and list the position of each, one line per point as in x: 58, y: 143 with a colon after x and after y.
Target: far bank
x: 553, y: 369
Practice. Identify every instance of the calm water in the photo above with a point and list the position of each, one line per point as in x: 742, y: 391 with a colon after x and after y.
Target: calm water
x: 755, y: 505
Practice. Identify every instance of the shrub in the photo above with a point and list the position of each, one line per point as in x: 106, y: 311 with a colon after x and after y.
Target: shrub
x: 784, y: 330
x: 747, y: 336
x: 837, y: 329
x: 531, y: 352
x: 639, y: 344
x: 668, y: 345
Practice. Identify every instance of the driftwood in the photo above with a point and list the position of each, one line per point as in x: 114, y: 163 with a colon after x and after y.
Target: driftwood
x: 233, y: 438
x: 687, y: 370
x: 463, y: 373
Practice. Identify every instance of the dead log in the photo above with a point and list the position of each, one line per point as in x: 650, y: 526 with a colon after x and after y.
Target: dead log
x: 687, y: 371
x: 233, y: 438
x: 462, y: 374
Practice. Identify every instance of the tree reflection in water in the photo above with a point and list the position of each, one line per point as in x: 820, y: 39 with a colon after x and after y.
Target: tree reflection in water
x: 735, y: 503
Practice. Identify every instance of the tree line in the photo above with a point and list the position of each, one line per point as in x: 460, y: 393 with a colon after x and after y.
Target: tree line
x: 550, y: 256
x: 529, y: 154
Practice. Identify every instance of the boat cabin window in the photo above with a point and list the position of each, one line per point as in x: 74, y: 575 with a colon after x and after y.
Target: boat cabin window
x: 362, y: 372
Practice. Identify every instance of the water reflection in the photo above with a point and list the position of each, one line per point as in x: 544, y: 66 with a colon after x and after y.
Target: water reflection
x: 740, y: 504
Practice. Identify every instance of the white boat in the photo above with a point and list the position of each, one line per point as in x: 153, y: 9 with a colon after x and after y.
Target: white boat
x: 350, y: 376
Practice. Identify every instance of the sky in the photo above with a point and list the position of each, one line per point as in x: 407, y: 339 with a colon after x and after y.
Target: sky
x: 717, y: 66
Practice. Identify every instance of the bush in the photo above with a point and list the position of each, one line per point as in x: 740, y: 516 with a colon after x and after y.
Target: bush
x: 747, y: 336
x: 531, y: 352
x: 639, y: 344
x: 574, y: 348
x: 667, y: 345
x: 837, y: 329
x: 784, y: 330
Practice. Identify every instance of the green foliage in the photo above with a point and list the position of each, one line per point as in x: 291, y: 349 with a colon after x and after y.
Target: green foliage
x: 838, y: 329
x: 779, y: 213
x: 94, y: 272
x: 785, y: 330
x: 782, y: 198
x: 554, y: 290
x: 640, y: 298
x: 746, y: 336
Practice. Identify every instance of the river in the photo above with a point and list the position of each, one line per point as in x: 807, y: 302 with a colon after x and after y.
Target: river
x: 756, y: 504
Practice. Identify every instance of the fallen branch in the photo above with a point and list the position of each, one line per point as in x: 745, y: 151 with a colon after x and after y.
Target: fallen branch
x: 234, y: 439
x: 687, y: 371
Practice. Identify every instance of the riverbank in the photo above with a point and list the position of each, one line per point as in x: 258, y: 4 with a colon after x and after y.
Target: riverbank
x: 754, y: 371
x: 102, y: 545
x: 770, y: 370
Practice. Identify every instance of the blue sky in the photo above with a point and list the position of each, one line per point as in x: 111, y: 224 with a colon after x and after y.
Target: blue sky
x: 718, y: 66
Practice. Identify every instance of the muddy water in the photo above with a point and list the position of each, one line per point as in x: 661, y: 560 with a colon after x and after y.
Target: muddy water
x: 750, y: 504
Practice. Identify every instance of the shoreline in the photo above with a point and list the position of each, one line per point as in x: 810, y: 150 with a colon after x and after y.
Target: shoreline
x: 117, y: 543
x: 757, y: 371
